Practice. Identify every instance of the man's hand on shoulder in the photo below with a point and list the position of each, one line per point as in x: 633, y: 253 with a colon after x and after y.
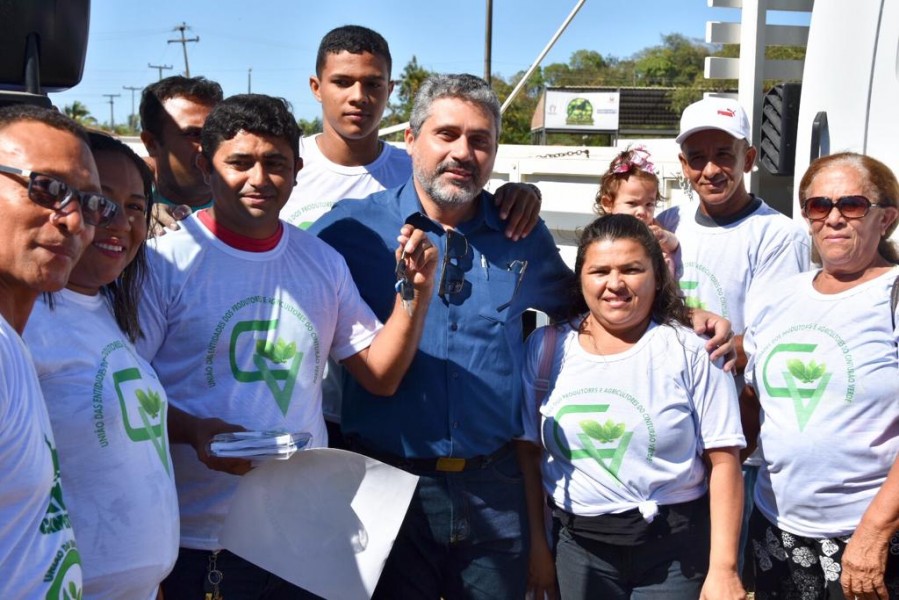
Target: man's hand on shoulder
x: 165, y: 218
x: 722, y: 341
x: 519, y: 206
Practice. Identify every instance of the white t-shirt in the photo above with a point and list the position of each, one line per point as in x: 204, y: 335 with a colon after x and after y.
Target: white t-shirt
x: 717, y: 266
x: 628, y: 430
x: 108, y: 412
x: 321, y: 182
x: 37, y: 544
x: 243, y: 336
x: 826, y: 369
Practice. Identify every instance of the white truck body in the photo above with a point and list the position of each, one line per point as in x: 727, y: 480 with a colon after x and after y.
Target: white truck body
x: 851, y: 75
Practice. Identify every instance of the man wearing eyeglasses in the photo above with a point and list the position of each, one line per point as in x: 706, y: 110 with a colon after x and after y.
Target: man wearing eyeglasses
x: 453, y: 418
x: 733, y: 244
x: 46, y: 172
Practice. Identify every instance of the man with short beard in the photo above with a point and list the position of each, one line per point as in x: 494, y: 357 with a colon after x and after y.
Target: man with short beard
x: 455, y: 413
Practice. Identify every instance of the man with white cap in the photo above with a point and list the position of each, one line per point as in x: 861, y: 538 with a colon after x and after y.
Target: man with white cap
x: 734, y: 244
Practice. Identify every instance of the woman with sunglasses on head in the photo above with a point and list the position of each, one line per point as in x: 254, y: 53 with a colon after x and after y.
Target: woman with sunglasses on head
x: 106, y: 405
x: 635, y: 440
x: 825, y: 368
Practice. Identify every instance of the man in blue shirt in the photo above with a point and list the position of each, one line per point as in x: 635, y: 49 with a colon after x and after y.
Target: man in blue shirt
x: 456, y: 411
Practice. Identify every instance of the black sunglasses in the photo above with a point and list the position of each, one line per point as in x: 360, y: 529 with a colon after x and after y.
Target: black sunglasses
x: 851, y: 207
x: 54, y: 194
x: 452, y: 280
x: 452, y: 276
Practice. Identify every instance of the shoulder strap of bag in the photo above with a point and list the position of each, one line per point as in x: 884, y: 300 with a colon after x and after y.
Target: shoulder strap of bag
x: 894, y: 300
x: 544, y: 369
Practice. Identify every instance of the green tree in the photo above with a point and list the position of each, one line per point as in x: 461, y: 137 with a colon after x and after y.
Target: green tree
x: 584, y: 68
x: 406, y: 87
x: 310, y: 127
x: 676, y: 62
x: 77, y: 111
x: 588, y: 61
x: 516, y: 126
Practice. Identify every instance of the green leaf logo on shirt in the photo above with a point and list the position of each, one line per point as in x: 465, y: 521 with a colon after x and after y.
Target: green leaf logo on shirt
x: 804, y: 383
x: 605, y: 434
x: 57, y: 516
x: 268, y: 356
x: 605, y: 443
x: 691, y: 300
x: 149, y: 401
x: 65, y: 573
x: 150, y: 405
x: 806, y: 373
x: 72, y: 593
x: 278, y: 352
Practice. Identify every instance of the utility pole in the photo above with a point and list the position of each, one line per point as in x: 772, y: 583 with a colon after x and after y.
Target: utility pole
x: 160, y: 67
x: 183, y: 41
x: 250, y: 80
x: 112, y: 98
x: 132, y: 121
x: 488, y: 42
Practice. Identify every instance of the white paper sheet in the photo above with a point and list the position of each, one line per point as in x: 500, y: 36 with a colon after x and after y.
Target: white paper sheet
x: 324, y: 520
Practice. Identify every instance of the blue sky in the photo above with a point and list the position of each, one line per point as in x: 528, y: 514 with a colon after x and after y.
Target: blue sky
x: 278, y: 39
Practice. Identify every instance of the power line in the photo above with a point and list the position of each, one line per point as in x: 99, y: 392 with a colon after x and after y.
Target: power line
x: 160, y: 67
x: 183, y: 41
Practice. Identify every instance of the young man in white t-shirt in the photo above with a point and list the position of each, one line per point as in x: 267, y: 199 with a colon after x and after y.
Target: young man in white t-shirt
x: 240, y: 312
x: 46, y: 171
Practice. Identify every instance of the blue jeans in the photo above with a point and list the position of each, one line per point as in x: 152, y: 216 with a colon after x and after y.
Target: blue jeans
x: 464, y: 536
x: 241, y: 579
x: 670, y: 567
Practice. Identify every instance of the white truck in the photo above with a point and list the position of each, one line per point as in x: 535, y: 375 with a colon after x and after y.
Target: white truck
x: 849, y: 84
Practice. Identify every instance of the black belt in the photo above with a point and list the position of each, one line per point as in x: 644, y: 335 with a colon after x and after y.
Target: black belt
x: 443, y: 464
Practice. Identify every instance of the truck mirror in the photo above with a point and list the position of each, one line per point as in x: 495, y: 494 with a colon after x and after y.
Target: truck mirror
x: 780, y: 114
x: 43, y: 44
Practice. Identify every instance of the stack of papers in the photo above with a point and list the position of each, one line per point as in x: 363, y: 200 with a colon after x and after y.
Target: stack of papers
x: 258, y: 445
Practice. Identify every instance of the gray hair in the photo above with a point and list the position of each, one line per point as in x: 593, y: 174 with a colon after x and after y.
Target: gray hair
x: 462, y: 86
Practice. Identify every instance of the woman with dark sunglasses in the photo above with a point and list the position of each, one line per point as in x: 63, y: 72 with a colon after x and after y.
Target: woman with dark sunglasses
x: 824, y: 367
x: 107, y: 407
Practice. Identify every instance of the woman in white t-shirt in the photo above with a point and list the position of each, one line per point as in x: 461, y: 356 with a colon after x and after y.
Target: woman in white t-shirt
x: 636, y: 439
x: 106, y: 405
x: 825, y: 367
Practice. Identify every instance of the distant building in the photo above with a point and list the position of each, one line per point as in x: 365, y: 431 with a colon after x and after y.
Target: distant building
x: 616, y: 111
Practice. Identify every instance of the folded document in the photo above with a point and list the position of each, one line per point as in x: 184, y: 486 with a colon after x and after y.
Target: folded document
x: 258, y: 444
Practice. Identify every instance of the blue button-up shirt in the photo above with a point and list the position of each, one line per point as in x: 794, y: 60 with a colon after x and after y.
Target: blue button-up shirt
x: 461, y: 395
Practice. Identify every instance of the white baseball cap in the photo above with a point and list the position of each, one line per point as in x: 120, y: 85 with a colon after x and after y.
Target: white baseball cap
x: 713, y: 112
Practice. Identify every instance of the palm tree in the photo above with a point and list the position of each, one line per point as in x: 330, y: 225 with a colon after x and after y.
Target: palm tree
x: 78, y: 112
